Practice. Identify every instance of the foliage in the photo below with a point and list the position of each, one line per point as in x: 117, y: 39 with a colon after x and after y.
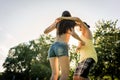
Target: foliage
x: 74, y: 58
x: 107, y: 44
x: 29, y: 59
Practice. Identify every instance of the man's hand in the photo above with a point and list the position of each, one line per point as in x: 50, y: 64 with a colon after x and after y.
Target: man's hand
x: 80, y: 44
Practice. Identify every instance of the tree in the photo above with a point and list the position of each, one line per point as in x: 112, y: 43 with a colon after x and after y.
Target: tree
x: 40, y: 66
x: 25, y: 57
x: 18, y: 60
x: 107, y: 44
x: 74, y: 58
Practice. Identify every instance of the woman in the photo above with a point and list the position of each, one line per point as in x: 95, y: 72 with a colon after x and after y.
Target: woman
x: 58, y: 52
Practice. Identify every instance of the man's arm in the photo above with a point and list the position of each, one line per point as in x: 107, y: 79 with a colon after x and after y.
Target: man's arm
x: 68, y: 18
x: 79, y: 22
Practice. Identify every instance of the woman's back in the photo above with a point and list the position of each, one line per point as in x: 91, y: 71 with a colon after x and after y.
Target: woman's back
x: 64, y: 28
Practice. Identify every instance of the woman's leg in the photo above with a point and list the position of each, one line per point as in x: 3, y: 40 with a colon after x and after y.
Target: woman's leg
x: 54, y: 67
x: 64, y: 66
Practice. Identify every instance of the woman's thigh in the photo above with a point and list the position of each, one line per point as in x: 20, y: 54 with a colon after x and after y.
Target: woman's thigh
x: 64, y: 64
x: 54, y: 64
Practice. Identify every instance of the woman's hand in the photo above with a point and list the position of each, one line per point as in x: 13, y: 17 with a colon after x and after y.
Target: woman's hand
x: 57, y: 20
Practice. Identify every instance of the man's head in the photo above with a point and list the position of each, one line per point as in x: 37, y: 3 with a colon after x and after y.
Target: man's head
x: 86, y: 24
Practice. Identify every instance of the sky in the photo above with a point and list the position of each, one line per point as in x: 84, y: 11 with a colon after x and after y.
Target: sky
x: 25, y: 20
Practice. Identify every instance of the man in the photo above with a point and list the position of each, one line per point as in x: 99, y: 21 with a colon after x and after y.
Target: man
x: 87, y: 52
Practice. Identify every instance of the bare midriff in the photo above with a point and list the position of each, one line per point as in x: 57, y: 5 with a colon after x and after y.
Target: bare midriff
x: 63, y: 38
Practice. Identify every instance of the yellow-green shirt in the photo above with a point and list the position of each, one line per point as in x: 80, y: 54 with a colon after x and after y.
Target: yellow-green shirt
x: 88, y: 50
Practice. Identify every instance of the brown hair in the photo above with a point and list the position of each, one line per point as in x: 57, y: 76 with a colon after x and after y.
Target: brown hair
x: 64, y: 25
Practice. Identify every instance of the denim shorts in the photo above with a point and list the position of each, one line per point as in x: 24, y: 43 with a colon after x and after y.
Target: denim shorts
x: 58, y: 49
x: 84, y: 68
